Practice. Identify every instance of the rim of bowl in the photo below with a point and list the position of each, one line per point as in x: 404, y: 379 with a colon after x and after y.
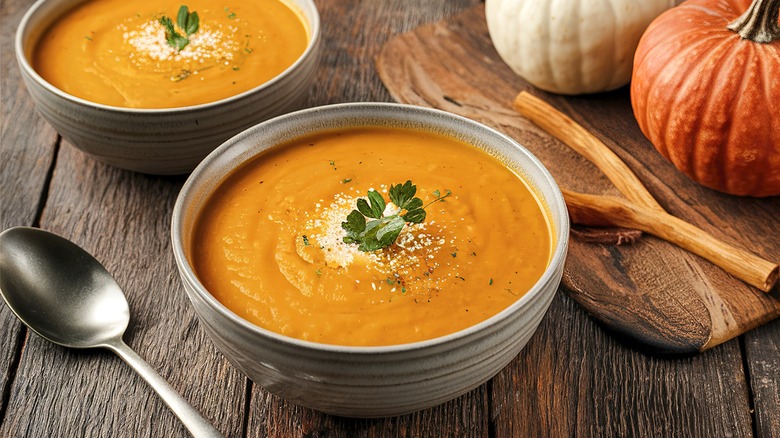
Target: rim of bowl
x: 25, y: 64
x: 558, y: 255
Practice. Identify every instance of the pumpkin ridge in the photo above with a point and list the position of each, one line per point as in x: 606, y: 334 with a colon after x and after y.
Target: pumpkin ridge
x: 752, y: 171
x: 712, y: 10
x: 772, y: 88
x: 673, y: 101
x: 648, y: 35
x: 720, y: 162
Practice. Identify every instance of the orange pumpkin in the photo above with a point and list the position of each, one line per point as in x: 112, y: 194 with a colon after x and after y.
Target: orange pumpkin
x: 708, y: 97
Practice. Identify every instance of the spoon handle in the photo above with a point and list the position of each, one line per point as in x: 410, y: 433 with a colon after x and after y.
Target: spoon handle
x: 192, y: 419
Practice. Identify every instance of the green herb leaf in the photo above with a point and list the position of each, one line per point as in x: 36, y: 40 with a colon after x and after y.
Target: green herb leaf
x: 416, y: 216
x: 188, y: 22
x: 412, y: 204
x: 401, y: 194
x: 376, y: 207
x: 193, y: 23
x: 355, y: 227
x: 181, y: 17
x: 439, y: 197
x: 168, y: 25
x: 382, y: 231
x: 377, y: 204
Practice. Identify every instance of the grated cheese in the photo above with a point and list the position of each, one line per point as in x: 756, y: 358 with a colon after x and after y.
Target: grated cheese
x: 209, y: 46
x: 409, y: 263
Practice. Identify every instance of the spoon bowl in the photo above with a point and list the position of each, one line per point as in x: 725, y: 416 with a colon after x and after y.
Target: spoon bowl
x: 67, y: 297
x: 69, y: 313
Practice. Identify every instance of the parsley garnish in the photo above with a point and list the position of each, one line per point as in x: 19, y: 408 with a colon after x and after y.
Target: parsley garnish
x: 188, y: 22
x: 381, y: 231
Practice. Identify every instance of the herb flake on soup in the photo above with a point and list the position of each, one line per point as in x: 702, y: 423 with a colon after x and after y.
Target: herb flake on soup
x: 289, y: 241
x: 166, y: 54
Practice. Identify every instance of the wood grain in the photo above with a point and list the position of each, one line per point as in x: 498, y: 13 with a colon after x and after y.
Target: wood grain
x: 653, y: 292
x: 762, y: 358
x: 572, y: 379
x: 27, y: 149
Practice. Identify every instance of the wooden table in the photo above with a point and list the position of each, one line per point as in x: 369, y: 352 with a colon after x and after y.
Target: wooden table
x: 573, y: 378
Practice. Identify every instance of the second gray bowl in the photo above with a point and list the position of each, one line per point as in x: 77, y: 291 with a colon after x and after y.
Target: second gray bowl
x: 159, y: 141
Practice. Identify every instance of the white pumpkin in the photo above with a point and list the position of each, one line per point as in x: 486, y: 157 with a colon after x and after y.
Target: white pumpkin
x: 571, y: 46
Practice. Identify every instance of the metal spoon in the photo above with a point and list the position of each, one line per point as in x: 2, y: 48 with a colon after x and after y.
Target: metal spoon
x: 66, y: 296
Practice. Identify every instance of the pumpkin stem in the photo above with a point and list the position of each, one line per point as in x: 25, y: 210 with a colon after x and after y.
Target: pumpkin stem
x: 759, y: 22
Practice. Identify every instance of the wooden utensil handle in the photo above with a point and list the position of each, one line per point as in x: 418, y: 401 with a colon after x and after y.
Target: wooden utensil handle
x: 606, y: 210
x: 586, y: 144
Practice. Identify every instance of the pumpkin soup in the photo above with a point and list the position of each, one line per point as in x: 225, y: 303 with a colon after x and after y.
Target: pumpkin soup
x: 280, y: 242
x: 164, y: 54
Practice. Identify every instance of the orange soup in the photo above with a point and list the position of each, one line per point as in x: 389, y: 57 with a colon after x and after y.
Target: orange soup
x: 269, y: 243
x: 121, y: 53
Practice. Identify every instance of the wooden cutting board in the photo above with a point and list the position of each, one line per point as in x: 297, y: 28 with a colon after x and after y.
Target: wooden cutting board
x: 650, y: 292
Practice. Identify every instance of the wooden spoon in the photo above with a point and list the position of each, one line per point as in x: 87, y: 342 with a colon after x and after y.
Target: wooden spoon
x: 640, y: 211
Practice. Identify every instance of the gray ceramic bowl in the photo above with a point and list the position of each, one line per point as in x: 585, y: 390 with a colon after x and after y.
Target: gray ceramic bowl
x: 367, y: 381
x: 159, y: 141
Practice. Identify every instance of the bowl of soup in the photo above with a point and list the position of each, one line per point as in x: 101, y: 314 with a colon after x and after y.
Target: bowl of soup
x: 370, y: 259
x: 154, y: 87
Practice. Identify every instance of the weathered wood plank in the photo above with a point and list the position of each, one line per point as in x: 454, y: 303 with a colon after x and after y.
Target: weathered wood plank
x: 27, y: 143
x: 27, y: 148
x: 762, y: 355
x: 122, y: 218
x: 353, y: 35
x: 464, y: 417
x: 574, y: 379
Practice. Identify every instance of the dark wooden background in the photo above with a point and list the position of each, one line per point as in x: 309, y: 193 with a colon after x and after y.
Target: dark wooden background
x: 573, y: 378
